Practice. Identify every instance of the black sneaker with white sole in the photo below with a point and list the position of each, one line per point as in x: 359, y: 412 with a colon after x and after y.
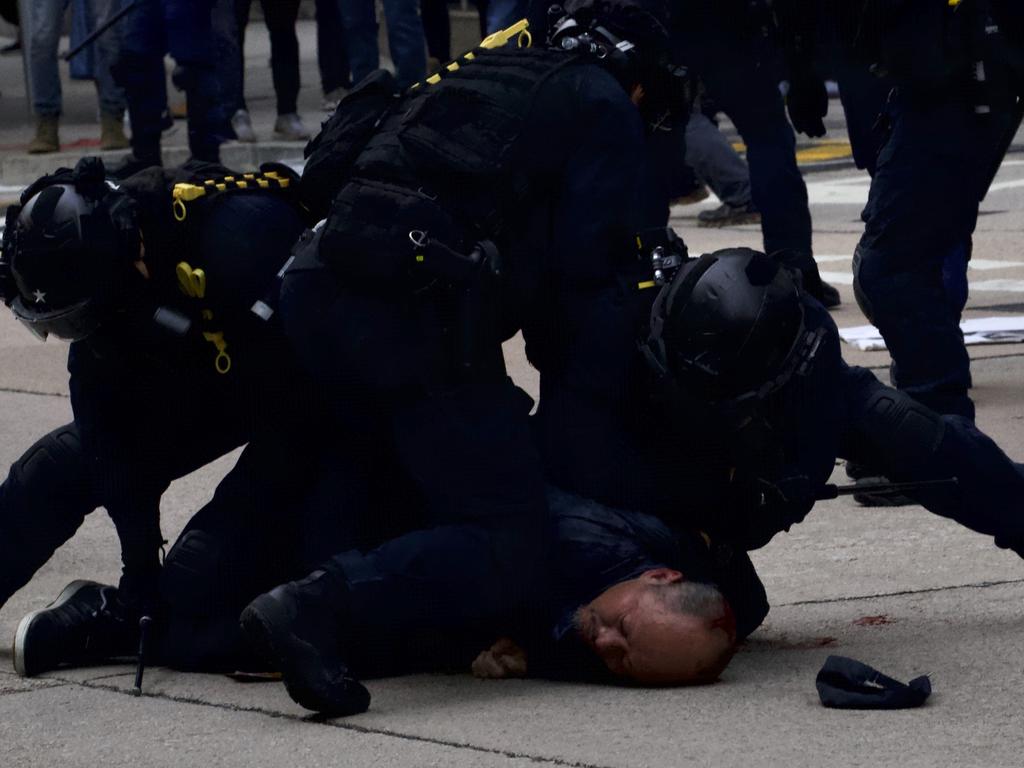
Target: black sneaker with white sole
x: 85, y: 625
x: 295, y: 628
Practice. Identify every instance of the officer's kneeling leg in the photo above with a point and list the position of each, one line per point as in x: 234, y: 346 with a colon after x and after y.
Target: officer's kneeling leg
x: 910, y: 442
x: 42, y: 503
x: 199, y: 620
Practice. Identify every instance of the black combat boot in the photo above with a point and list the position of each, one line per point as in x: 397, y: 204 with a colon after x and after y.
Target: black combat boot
x: 296, y: 627
x: 85, y: 625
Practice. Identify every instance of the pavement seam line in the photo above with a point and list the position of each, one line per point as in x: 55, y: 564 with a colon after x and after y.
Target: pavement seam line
x: 313, y: 719
x: 15, y: 391
x: 60, y: 684
x: 902, y: 593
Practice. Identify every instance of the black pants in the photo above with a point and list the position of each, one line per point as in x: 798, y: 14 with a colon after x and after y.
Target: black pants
x: 280, y: 16
x: 437, y: 28
x: 331, y: 56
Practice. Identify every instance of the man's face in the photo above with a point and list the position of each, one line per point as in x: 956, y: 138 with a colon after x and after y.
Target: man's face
x: 638, y: 636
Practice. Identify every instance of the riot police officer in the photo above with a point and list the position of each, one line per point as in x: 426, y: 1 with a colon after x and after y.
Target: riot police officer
x: 957, y: 71
x: 164, y: 286
x: 495, y: 196
x: 761, y: 360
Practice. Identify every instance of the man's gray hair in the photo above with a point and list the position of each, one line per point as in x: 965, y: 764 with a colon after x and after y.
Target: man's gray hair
x: 693, y: 598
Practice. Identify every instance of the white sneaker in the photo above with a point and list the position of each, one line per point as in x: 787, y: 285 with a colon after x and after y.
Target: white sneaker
x: 291, y: 127
x: 330, y: 102
x: 241, y: 124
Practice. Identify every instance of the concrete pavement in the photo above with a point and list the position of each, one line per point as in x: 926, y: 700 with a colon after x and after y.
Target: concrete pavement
x: 898, y: 588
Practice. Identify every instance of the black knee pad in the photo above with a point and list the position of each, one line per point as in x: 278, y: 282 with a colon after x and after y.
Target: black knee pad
x: 55, y: 466
x: 903, y: 433
x: 60, y: 448
x: 859, y: 290
x: 191, y: 574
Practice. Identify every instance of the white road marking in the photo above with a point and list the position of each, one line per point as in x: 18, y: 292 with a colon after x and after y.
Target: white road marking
x: 842, y: 278
x: 993, y: 286
x: 987, y: 264
x: 853, y: 190
x: 1000, y: 285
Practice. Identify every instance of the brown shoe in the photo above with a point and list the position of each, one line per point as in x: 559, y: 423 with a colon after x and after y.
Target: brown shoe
x: 112, y: 132
x: 46, y: 136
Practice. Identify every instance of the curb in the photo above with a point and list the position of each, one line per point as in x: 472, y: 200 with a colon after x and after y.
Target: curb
x: 22, y: 170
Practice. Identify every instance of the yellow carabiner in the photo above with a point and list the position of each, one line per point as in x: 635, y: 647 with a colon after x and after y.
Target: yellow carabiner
x: 191, y: 281
x: 525, y: 39
x: 178, y: 207
x: 223, y: 360
x: 222, y: 363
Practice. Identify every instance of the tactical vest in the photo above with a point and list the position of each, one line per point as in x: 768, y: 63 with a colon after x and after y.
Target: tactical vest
x: 172, y: 208
x: 445, y: 160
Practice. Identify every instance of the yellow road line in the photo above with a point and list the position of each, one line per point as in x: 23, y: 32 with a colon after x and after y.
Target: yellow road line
x: 816, y: 153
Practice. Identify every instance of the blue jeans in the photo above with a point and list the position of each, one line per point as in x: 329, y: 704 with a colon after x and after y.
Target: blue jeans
x: 183, y: 28
x: 504, y: 13
x: 405, y: 37
x: 43, y: 29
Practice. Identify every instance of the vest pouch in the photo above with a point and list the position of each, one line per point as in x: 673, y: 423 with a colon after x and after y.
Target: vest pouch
x: 332, y: 152
x: 366, y: 239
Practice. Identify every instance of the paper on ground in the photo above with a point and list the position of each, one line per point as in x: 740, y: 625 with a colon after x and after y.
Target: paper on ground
x: 977, y: 330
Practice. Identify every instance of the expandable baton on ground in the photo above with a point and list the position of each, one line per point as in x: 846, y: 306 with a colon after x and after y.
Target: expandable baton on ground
x: 101, y: 29
x: 144, y: 624
x: 835, y: 491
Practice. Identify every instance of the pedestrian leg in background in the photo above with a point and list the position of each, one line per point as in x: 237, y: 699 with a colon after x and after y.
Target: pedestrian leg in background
x: 192, y: 44
x: 717, y: 164
x: 140, y: 71
x: 437, y: 28
x: 280, y: 16
x: 231, y: 65
x: 504, y: 13
x: 331, y: 55
x: 359, y: 18
x: 43, y: 29
x: 111, y: 95
x: 406, y: 41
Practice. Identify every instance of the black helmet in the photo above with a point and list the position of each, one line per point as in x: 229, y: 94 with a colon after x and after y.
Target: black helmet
x: 631, y: 40
x: 67, y: 252
x: 730, y: 326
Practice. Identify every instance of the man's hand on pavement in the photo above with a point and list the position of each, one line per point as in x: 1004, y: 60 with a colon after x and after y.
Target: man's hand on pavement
x: 502, y: 660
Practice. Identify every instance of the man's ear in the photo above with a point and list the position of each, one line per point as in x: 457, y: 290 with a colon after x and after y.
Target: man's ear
x: 661, y: 576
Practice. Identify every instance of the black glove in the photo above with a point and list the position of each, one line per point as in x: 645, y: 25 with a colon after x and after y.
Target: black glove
x: 807, y: 103
x: 756, y: 509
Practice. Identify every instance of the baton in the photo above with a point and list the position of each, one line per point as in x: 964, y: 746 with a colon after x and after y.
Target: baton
x: 101, y: 29
x: 835, y: 491
x: 144, y: 623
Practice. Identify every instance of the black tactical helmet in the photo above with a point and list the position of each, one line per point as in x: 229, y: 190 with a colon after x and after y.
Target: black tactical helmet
x: 730, y: 326
x: 67, y: 252
x: 630, y: 38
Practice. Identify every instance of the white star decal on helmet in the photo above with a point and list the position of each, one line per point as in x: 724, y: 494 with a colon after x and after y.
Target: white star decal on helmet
x: 40, y: 297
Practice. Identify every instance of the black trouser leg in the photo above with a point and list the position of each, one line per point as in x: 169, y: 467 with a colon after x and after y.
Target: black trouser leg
x: 280, y: 16
x: 44, y: 500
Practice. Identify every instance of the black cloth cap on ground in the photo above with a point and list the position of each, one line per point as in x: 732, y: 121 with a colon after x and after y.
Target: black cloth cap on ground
x: 846, y: 683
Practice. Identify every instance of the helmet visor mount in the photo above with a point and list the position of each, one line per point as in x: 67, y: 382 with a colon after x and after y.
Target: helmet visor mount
x: 71, y: 323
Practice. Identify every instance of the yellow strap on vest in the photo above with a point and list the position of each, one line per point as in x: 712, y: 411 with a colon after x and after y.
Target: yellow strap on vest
x: 520, y: 31
x: 184, y: 192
